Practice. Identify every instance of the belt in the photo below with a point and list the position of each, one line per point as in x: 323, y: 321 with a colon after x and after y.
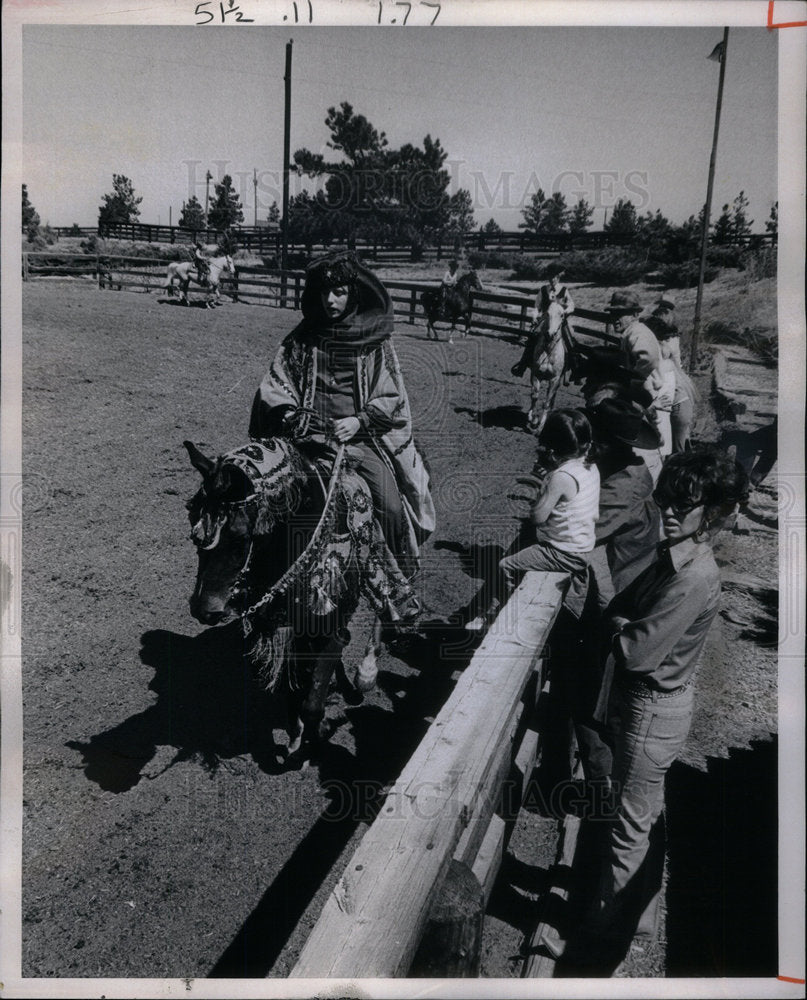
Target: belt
x: 639, y: 687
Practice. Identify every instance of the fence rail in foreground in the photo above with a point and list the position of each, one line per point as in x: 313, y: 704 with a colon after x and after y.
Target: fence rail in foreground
x: 373, y: 920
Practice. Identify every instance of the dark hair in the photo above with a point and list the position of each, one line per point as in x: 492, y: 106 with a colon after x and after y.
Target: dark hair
x: 704, y: 475
x: 566, y: 434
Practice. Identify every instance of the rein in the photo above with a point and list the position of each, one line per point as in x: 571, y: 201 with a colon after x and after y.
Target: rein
x: 301, y: 561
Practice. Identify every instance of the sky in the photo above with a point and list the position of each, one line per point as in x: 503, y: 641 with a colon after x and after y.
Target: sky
x: 600, y: 113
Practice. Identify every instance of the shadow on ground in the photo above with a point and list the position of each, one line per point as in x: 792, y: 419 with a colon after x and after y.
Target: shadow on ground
x: 722, y: 848
x: 510, y: 418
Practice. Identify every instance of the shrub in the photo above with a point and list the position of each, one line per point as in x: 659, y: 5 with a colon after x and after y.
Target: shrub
x: 685, y: 275
x: 490, y: 259
x: 611, y: 266
x: 526, y: 268
x: 761, y: 340
x: 761, y: 262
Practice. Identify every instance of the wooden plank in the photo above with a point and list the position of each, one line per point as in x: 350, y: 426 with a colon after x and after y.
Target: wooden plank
x: 372, y: 921
x: 488, y: 860
x: 548, y: 942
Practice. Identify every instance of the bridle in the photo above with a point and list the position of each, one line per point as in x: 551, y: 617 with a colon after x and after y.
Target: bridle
x: 300, y: 564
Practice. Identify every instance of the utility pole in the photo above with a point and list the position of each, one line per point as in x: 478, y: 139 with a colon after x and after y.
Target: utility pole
x: 284, y: 227
x: 208, y: 179
x: 255, y: 185
x: 722, y: 49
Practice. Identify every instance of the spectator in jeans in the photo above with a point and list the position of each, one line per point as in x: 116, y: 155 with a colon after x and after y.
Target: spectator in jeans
x: 654, y: 632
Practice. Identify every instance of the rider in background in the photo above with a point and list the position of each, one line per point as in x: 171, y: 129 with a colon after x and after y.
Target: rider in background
x: 553, y: 291
x: 450, y: 279
x: 201, y: 262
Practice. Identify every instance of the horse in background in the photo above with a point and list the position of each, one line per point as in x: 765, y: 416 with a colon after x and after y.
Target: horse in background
x: 183, y: 272
x: 450, y: 304
x: 291, y: 554
x: 545, y: 357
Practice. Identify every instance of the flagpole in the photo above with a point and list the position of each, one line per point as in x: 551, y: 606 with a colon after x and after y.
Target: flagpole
x: 696, y: 322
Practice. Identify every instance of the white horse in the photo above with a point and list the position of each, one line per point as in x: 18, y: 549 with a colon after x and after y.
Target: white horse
x: 183, y: 272
x: 545, y: 357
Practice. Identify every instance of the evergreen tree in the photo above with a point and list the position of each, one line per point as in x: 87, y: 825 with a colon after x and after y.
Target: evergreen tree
x: 225, y: 206
x: 491, y: 226
x: 192, y: 216
x: 623, y: 221
x: 273, y: 218
x: 772, y: 225
x: 723, y: 229
x: 119, y: 207
x: 376, y: 192
x: 30, y: 216
x: 580, y: 217
x: 460, y: 212
x: 741, y: 224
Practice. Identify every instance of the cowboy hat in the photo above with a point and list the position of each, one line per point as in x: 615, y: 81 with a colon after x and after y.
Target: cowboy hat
x: 623, y: 420
x: 624, y: 302
x: 665, y: 301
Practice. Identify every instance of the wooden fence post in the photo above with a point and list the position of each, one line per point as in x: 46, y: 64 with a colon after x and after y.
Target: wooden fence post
x: 25, y: 273
x: 413, y: 304
x: 98, y: 272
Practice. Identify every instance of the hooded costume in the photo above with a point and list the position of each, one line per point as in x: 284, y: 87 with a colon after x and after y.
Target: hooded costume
x: 327, y: 369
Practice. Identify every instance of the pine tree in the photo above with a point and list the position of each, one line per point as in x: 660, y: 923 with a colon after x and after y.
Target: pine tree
x: 723, y: 229
x: 119, y: 207
x: 273, y: 218
x: 623, y: 221
x: 772, y: 225
x: 192, y: 216
x: 30, y: 216
x: 225, y: 206
x: 580, y: 217
x: 741, y: 224
x: 491, y: 226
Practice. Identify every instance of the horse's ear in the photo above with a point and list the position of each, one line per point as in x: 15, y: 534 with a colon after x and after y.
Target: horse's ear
x: 203, y: 465
x: 232, y: 484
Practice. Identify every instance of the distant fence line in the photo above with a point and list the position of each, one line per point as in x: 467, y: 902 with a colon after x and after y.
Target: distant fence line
x: 263, y: 240
x: 257, y: 285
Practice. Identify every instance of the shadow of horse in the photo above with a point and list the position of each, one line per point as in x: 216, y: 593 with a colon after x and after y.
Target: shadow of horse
x: 510, y: 418
x: 209, y: 708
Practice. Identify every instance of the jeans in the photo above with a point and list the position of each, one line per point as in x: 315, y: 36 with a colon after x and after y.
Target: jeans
x: 649, y: 729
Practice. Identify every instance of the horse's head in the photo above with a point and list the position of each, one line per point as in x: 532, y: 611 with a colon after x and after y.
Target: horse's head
x: 470, y: 280
x: 239, y: 519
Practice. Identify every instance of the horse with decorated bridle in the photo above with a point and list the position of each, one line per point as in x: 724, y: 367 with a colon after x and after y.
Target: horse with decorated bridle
x: 183, y: 272
x: 290, y: 552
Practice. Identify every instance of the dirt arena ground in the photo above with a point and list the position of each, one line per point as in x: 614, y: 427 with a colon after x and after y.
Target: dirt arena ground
x: 160, y: 837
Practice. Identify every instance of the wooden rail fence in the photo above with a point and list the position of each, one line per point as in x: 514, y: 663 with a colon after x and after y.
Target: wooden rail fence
x: 442, y: 810
x: 258, y: 285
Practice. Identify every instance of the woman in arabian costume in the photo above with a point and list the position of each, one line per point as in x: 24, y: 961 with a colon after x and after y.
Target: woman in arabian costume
x: 336, y: 381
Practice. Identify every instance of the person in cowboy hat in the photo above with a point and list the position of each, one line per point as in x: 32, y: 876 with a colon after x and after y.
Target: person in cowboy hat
x: 336, y: 380
x: 641, y: 354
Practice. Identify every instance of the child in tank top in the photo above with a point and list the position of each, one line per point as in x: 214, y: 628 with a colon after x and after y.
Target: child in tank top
x: 563, y: 515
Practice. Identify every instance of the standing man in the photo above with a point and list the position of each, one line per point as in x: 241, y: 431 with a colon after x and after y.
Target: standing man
x: 641, y: 355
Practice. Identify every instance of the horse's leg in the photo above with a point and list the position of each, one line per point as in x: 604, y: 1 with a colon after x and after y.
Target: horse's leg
x: 368, y: 668
x: 306, y: 731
